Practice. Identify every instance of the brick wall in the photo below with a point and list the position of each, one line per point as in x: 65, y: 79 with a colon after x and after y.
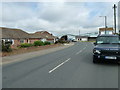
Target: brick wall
x: 33, y: 40
x: 17, y: 43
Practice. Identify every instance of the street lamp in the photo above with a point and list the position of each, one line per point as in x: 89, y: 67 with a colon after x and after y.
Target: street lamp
x: 105, y: 22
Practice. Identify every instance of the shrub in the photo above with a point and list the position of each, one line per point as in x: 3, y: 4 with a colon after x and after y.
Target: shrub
x: 47, y: 43
x: 24, y: 45
x: 6, y: 47
x: 38, y: 43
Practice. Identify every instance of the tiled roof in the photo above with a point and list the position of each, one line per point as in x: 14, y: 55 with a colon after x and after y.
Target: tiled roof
x: 13, y: 33
x: 44, y: 34
x: 20, y: 34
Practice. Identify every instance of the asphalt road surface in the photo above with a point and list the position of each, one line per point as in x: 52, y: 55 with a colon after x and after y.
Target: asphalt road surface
x: 68, y: 68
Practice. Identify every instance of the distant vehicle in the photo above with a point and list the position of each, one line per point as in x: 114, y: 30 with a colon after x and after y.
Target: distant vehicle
x: 74, y: 40
x: 107, y: 48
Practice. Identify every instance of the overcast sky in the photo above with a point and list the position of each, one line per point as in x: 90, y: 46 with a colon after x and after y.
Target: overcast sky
x: 58, y: 18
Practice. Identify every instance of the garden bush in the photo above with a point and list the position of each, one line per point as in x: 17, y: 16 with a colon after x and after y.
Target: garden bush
x: 38, y: 43
x: 6, y: 47
x: 47, y: 43
x: 24, y: 45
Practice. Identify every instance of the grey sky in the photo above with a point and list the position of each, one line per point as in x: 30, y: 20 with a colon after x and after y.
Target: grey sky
x: 57, y: 17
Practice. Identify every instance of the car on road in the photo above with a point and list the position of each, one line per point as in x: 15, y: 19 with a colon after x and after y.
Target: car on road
x: 107, y: 48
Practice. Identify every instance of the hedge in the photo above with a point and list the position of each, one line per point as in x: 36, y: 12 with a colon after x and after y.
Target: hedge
x: 24, y: 45
x: 47, y: 43
x: 6, y: 47
x: 38, y: 43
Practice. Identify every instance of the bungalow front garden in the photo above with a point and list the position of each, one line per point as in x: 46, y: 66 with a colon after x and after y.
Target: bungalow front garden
x: 26, y: 47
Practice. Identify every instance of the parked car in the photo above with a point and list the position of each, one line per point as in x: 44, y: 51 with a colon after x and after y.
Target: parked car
x: 107, y: 48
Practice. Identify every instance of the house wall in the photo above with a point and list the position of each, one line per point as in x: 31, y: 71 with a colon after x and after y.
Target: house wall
x: 92, y: 38
x: 51, y: 40
x: 78, y: 39
x: 81, y: 39
x: 107, y: 32
x: 17, y: 42
x: 84, y: 39
x: 32, y: 40
x: 43, y: 40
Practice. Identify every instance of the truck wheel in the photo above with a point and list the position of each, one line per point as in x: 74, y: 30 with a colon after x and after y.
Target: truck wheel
x: 94, y: 60
x: 118, y: 62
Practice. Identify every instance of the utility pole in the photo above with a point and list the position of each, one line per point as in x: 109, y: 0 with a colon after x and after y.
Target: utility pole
x: 119, y: 17
x: 79, y: 32
x: 114, y: 7
x: 105, y: 24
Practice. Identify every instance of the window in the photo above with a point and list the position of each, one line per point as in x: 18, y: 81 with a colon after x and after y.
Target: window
x: 22, y: 41
x: 107, y: 39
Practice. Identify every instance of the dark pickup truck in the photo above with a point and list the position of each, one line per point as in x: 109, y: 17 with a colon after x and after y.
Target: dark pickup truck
x: 107, y: 48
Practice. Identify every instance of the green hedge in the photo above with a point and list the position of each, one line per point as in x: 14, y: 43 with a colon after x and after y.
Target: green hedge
x: 47, y: 43
x: 24, y: 45
x: 38, y: 43
x: 6, y: 47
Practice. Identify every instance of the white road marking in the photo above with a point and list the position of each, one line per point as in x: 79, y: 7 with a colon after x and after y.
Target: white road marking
x: 59, y: 65
x: 80, y: 51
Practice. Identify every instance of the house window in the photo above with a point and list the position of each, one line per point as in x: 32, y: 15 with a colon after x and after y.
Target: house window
x: 22, y: 41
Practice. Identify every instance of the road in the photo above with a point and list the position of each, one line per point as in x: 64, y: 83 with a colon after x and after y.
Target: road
x: 68, y: 68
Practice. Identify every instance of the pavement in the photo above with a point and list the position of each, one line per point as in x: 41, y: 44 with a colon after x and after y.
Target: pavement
x: 26, y: 56
x: 70, y: 67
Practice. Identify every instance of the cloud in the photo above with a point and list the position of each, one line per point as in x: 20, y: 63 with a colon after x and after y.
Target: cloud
x: 57, y: 18
x: 16, y: 11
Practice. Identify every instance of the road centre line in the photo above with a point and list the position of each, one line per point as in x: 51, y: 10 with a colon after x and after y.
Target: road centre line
x: 59, y: 65
x: 80, y: 51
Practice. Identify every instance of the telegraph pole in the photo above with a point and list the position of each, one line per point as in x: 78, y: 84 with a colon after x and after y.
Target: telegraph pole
x: 114, y: 7
x: 105, y: 24
x: 79, y: 32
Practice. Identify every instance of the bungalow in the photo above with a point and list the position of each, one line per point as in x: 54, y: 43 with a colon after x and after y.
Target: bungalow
x: 18, y: 36
x: 15, y: 36
x: 42, y: 36
x: 81, y: 38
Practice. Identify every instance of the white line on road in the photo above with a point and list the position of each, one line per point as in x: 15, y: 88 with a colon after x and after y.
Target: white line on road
x: 80, y: 51
x: 59, y: 65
